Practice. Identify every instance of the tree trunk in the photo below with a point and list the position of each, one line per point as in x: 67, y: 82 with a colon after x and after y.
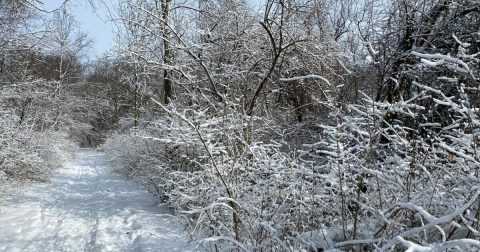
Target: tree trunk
x: 167, y: 50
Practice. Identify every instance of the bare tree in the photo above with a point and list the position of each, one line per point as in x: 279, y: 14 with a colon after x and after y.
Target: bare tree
x: 69, y: 43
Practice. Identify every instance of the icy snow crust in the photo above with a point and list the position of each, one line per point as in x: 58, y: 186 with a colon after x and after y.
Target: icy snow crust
x: 87, y: 208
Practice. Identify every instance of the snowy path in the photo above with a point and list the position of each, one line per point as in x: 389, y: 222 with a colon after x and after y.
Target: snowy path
x: 86, y: 208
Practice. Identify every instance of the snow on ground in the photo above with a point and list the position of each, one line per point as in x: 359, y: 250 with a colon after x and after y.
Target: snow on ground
x: 87, y: 208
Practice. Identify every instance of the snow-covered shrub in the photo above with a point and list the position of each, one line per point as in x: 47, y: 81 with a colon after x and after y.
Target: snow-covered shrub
x: 30, y: 155
x: 406, y: 172
x: 34, y: 157
x: 372, y: 180
x: 31, y: 146
x: 138, y: 159
x: 375, y: 175
x: 218, y: 182
x: 230, y: 191
x: 394, y: 183
x: 381, y: 175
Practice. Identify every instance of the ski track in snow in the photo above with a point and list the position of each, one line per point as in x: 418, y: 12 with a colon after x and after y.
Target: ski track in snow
x: 87, y: 208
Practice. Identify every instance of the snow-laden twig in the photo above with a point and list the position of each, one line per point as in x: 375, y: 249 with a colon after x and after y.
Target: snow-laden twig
x: 445, y: 58
x: 435, y: 221
x: 310, y: 76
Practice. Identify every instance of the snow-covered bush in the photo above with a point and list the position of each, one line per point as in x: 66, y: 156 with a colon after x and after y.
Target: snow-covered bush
x: 394, y: 184
x: 138, y: 159
x: 381, y: 175
x: 28, y: 155
x: 223, y: 187
x: 406, y: 172
x: 31, y: 142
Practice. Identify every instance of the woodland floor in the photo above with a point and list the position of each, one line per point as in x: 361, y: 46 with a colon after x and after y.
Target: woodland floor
x: 88, y: 208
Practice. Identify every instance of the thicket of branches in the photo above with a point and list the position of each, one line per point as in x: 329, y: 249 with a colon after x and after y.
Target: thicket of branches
x: 349, y: 125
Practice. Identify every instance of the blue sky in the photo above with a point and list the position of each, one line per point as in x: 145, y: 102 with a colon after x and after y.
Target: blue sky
x: 95, y: 23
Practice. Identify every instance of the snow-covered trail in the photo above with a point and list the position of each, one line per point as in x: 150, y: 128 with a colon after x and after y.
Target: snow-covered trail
x: 87, y: 208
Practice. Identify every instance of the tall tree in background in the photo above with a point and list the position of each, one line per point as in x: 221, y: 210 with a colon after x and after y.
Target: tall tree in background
x: 164, y: 7
x: 69, y: 44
